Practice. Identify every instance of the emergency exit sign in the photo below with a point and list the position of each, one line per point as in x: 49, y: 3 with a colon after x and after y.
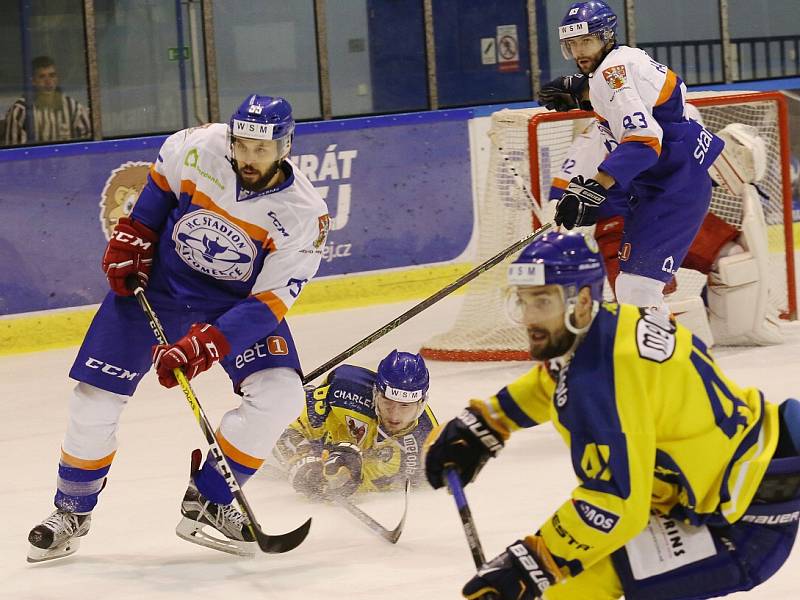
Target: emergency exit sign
x: 175, y: 53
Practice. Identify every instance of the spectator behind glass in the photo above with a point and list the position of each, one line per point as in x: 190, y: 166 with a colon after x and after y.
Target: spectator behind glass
x: 56, y: 116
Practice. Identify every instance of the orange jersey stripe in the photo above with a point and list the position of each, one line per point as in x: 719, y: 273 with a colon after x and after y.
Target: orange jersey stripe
x: 560, y: 183
x: 200, y: 199
x: 646, y: 140
x: 669, y: 86
x: 274, y: 303
x: 82, y: 463
x: 159, y: 179
x: 240, y: 457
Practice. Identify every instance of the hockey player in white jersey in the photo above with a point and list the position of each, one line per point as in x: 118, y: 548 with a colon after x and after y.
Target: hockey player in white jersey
x: 656, y: 171
x: 734, y: 260
x: 225, y: 234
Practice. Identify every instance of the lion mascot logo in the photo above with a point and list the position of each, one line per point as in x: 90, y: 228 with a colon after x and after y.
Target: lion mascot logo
x: 120, y: 192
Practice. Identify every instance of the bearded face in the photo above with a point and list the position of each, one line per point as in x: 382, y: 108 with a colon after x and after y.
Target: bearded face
x: 256, y: 162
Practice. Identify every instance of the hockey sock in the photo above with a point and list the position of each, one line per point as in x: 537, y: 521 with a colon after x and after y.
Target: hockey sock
x: 80, y: 482
x: 211, y: 483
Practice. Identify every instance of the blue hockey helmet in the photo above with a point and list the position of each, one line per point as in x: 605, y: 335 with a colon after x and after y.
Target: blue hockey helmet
x: 594, y: 17
x: 570, y: 260
x: 264, y: 118
x: 404, y: 378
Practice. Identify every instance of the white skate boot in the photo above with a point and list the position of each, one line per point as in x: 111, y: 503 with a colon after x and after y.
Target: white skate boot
x: 58, y: 535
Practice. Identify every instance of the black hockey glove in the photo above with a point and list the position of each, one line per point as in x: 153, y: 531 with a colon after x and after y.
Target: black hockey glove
x: 519, y: 573
x: 342, y: 468
x: 564, y: 93
x: 305, y: 475
x: 464, y: 443
x: 580, y: 204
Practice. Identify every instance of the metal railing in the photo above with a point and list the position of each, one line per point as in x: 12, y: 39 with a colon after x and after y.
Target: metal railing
x: 699, y: 62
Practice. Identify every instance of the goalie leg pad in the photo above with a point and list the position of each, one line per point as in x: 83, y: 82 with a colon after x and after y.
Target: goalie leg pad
x: 640, y: 291
x: 739, y: 311
x: 691, y: 313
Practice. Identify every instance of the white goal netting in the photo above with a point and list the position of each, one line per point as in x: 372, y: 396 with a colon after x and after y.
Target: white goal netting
x: 535, y: 142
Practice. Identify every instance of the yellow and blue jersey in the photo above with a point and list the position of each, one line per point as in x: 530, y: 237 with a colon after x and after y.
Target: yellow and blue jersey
x: 342, y: 410
x: 651, y: 424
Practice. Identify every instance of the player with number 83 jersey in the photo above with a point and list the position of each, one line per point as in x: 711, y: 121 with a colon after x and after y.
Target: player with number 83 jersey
x: 655, y: 175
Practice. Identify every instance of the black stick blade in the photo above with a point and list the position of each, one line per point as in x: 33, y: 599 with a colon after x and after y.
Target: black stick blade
x: 276, y: 544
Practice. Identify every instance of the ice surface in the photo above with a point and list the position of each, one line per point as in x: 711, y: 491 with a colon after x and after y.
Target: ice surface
x: 132, y: 551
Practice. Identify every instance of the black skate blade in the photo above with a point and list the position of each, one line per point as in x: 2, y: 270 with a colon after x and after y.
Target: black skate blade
x: 276, y: 544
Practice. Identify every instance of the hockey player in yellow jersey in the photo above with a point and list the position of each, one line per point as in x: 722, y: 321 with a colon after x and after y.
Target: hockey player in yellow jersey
x: 361, y: 430
x: 687, y: 483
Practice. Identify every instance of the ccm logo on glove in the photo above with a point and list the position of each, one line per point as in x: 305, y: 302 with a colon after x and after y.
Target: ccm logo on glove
x: 194, y: 353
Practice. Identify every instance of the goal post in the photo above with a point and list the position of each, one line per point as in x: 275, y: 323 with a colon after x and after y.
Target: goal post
x: 533, y: 143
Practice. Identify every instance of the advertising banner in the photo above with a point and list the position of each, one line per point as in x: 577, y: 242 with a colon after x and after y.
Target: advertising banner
x: 398, y: 190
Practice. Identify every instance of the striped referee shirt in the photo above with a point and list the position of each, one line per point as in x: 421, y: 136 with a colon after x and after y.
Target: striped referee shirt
x: 68, y: 120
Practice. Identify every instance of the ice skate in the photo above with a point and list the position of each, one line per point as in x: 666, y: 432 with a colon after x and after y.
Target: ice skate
x: 199, y: 512
x: 57, y: 536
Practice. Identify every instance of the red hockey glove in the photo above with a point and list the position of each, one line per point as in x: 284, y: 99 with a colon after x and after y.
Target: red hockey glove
x: 465, y: 443
x: 194, y: 353
x: 129, y: 252
x: 523, y: 572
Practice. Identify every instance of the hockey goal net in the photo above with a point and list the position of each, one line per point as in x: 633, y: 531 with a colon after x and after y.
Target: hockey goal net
x: 534, y: 143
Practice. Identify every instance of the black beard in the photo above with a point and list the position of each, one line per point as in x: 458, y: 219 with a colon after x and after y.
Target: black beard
x: 260, y: 183
x: 555, y: 348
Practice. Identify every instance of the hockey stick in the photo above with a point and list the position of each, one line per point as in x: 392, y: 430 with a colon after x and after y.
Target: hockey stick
x: 390, y: 535
x: 271, y: 544
x: 429, y: 301
x: 455, y: 487
x: 535, y: 206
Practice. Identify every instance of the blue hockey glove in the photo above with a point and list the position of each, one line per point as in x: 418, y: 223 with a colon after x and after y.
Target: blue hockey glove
x: 564, y: 93
x: 519, y: 573
x: 342, y: 468
x: 580, y: 204
x: 465, y: 443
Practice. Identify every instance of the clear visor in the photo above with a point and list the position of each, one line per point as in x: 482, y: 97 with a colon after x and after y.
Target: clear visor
x: 582, y: 46
x: 532, y: 305
x: 396, y: 416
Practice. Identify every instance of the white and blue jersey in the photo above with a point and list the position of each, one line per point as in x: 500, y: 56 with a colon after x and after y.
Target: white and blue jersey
x: 658, y: 157
x: 225, y: 256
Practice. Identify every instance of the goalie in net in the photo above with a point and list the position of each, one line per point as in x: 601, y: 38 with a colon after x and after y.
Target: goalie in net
x: 734, y: 262
x: 669, y: 214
